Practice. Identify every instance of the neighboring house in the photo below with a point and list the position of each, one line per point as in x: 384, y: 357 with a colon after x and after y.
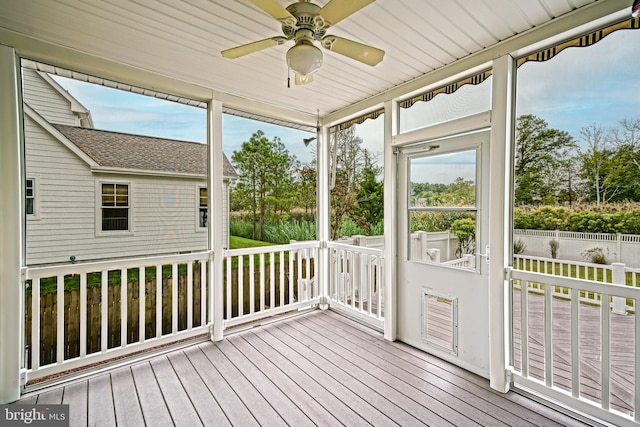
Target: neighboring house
x: 94, y: 194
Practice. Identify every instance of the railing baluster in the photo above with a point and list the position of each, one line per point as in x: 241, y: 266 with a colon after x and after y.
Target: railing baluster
x: 240, y: 285
x: 83, y: 314
x: 524, y: 326
x: 307, y: 256
x: 123, y: 307
x: 301, y: 294
x: 204, y: 284
x: 174, y: 297
x: 272, y: 280
x: 189, y: 295
x: 262, y: 287
x: 104, y: 318
x: 252, y: 292
x: 605, y: 340
x: 548, y: 344
x: 60, y: 319
x: 142, y: 303
x: 291, y: 279
x: 636, y: 383
x: 35, y: 326
x: 158, y: 300
x: 575, y: 343
x: 229, y: 286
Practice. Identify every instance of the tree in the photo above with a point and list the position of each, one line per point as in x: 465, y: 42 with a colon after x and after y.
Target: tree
x: 351, y: 159
x: 369, y: 208
x: 266, y: 178
x: 307, y: 179
x: 539, y: 151
x: 624, y: 171
x: 595, y: 159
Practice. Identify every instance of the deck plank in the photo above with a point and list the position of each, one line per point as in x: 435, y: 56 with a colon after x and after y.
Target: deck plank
x: 152, y: 402
x: 403, y: 408
x: 348, y: 390
x: 204, y: 402
x: 235, y: 410
x: 289, y: 412
x: 76, y: 395
x: 298, y: 395
x: 182, y: 411
x: 317, y: 368
x: 127, y: 406
x: 451, y: 403
x: 100, y: 401
x: 264, y: 413
x: 53, y: 397
x: 315, y: 386
x: 444, y: 372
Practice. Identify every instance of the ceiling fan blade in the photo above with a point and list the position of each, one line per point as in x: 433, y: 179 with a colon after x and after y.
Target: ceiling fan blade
x: 275, y: 9
x: 360, y: 52
x: 246, y: 49
x: 336, y: 10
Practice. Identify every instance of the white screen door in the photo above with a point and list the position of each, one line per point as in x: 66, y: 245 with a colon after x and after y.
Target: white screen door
x: 443, y: 304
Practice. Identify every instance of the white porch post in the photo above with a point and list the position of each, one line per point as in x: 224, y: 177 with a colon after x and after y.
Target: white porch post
x: 390, y: 232
x: 11, y: 319
x: 323, y: 216
x: 215, y: 191
x: 500, y: 218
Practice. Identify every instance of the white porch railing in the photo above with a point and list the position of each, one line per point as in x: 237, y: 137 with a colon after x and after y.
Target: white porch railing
x: 356, y: 281
x: 568, y: 345
x: 615, y: 273
x: 86, y: 313
x: 269, y: 280
x: 81, y: 314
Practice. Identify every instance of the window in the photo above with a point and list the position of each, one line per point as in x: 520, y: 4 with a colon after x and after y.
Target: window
x: 203, y: 213
x: 115, y: 207
x: 443, y: 208
x: 30, y: 195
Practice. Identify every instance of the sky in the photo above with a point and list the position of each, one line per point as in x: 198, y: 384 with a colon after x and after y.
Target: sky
x: 577, y: 88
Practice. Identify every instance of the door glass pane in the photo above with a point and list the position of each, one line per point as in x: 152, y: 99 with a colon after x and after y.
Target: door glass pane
x: 442, y: 209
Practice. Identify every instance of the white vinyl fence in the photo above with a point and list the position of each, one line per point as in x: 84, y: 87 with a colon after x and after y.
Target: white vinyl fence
x: 624, y: 248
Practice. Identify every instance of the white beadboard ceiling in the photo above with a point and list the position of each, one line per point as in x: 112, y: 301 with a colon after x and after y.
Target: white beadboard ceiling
x: 183, y: 39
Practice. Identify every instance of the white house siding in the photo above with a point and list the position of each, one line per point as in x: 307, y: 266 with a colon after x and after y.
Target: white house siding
x: 47, y: 101
x: 64, y: 185
x: 163, y: 218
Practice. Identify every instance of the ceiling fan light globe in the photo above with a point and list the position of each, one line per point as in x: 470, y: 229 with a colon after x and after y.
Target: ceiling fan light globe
x: 304, y: 59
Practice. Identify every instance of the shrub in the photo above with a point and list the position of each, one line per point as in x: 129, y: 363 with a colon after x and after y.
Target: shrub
x: 519, y: 247
x: 554, y: 245
x: 465, y: 231
x: 596, y: 255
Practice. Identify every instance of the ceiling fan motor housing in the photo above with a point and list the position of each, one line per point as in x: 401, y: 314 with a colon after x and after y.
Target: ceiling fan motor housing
x: 307, y: 18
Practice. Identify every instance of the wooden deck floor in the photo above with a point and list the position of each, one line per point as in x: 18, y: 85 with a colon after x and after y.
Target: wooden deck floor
x: 315, y: 369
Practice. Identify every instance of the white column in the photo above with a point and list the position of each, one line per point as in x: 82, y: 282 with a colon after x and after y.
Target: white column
x: 323, y: 216
x: 215, y: 206
x: 11, y: 227
x: 390, y: 232
x: 500, y: 183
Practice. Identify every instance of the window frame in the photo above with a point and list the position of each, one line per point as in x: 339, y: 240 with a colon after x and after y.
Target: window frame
x: 35, y: 215
x: 199, y: 207
x: 449, y: 147
x: 99, y: 207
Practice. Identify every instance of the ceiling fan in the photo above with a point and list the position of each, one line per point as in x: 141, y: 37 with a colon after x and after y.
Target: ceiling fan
x: 305, y: 23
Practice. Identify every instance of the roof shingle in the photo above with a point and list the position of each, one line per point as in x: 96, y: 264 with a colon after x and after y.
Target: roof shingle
x: 128, y: 151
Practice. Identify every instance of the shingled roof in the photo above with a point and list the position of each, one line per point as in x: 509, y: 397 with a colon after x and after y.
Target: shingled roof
x: 137, y: 152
